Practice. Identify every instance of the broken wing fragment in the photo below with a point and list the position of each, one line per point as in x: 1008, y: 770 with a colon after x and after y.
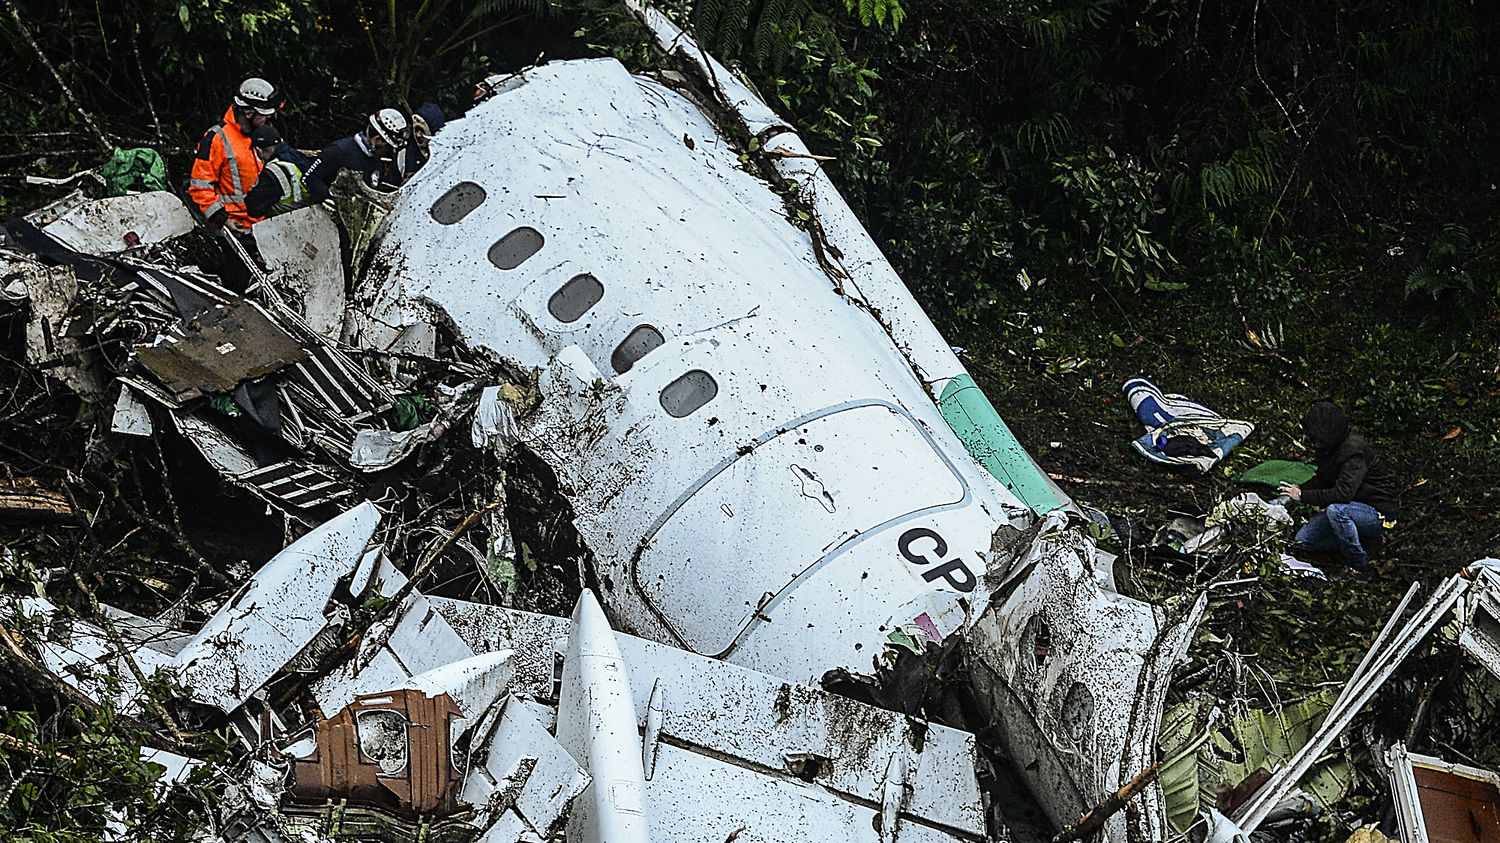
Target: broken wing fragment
x: 117, y: 223
x: 269, y: 621
x: 730, y: 752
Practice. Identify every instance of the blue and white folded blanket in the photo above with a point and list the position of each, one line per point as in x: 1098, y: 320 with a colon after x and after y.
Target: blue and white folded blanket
x: 1180, y: 431
x: 1155, y: 408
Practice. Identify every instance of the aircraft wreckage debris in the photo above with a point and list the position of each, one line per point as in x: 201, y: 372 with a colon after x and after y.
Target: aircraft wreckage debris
x: 663, y: 428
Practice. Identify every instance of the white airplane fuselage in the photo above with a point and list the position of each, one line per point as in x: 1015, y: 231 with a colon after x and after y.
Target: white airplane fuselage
x: 759, y: 473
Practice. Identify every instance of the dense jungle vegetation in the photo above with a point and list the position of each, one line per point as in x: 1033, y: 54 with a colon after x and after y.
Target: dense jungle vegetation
x: 1257, y: 202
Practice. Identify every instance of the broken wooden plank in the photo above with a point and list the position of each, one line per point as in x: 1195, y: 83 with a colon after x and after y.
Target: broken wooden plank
x: 33, y: 503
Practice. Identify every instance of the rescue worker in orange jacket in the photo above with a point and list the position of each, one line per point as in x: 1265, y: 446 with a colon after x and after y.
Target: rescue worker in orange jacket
x: 225, y: 167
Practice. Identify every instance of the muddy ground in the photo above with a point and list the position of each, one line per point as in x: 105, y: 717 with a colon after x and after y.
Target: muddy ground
x: 1429, y: 401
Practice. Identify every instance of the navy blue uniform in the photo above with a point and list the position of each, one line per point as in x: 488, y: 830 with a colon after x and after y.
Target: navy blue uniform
x: 349, y: 154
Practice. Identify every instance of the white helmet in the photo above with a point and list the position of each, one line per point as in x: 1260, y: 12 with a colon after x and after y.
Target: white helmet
x: 389, y: 125
x: 258, y: 94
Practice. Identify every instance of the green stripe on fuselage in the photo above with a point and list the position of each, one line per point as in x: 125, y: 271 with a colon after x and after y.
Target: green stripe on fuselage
x: 985, y: 436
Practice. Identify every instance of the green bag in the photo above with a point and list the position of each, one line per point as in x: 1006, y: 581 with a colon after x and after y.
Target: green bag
x: 133, y: 169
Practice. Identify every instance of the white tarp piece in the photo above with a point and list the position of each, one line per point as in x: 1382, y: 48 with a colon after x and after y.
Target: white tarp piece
x: 276, y: 614
x: 787, y: 762
x: 301, y: 248
x: 117, y: 223
x: 1214, y: 827
x: 494, y: 422
x: 376, y: 448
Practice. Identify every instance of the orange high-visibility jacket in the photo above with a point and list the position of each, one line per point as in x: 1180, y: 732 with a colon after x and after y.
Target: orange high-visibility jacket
x: 224, y: 170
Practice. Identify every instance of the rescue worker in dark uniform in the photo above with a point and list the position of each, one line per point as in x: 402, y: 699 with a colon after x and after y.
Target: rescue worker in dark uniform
x: 425, y: 122
x: 369, y: 152
x: 281, y: 186
x: 1356, y: 488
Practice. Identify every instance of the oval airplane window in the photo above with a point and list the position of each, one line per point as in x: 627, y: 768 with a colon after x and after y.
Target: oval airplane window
x: 637, y: 344
x: 382, y: 739
x: 575, y: 298
x: 513, y: 249
x: 1078, y: 712
x: 689, y: 392
x: 456, y: 204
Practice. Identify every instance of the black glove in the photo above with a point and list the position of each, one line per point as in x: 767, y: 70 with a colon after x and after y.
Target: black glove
x: 217, y: 222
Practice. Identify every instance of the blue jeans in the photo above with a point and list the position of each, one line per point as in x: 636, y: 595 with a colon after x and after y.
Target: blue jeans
x: 1343, y: 527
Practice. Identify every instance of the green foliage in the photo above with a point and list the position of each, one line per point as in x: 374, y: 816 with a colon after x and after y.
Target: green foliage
x: 65, y: 787
x: 1266, y: 274
x: 1146, y: 143
x: 1248, y: 174
x: 762, y: 34
x: 1459, y: 281
x: 878, y: 12
x: 156, y: 73
x: 765, y: 33
x: 1112, y: 199
x: 1390, y: 383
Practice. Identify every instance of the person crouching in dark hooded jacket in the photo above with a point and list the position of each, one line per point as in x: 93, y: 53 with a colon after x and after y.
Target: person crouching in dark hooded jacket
x: 1356, y: 489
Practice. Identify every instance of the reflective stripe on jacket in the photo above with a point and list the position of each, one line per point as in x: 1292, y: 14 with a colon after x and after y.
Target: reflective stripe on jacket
x: 289, y: 177
x: 224, y: 170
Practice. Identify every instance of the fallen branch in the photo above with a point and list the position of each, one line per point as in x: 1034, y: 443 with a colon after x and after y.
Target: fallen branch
x: 356, y: 639
x: 421, y: 570
x: 108, y: 625
x: 1096, y: 818
x: 18, y: 745
x: 135, y: 46
x: 38, y: 676
x: 37, y: 504
x: 1085, y: 481
x: 783, y: 152
x: 67, y: 92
